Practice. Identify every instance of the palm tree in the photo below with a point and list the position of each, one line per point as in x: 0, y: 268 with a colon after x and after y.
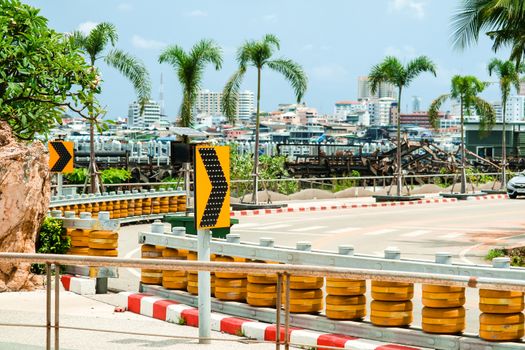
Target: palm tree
x: 94, y: 44
x: 465, y: 90
x: 259, y: 55
x: 189, y: 67
x: 392, y: 71
x: 502, y: 20
x: 508, y: 75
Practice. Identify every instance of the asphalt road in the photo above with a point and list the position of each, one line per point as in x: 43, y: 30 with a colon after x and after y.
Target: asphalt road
x: 466, y: 229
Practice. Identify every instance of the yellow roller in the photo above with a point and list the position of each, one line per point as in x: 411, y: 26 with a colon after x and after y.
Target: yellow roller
x: 443, y: 321
x: 342, y: 286
x: 230, y: 274
x: 103, y: 252
x: 391, y: 313
x: 392, y: 291
x: 493, y: 327
x: 306, y: 282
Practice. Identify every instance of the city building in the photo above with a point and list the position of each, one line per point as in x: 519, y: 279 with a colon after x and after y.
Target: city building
x: 148, y: 118
x: 420, y: 119
x: 381, y: 111
x: 416, y: 104
x: 210, y: 103
x: 515, y: 109
x: 384, y: 90
x: 343, y: 109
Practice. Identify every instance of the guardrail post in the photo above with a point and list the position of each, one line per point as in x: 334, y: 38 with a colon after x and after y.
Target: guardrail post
x: 278, y: 307
x: 57, y: 305
x: 203, y: 245
x: 287, y: 312
x: 48, y: 306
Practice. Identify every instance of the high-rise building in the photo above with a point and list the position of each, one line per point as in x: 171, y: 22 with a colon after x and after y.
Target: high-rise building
x: 515, y: 109
x: 245, y: 107
x: 416, y: 104
x: 381, y: 111
x: 210, y: 103
x: 384, y: 90
x: 150, y: 116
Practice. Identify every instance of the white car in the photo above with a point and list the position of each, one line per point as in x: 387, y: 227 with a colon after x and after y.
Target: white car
x: 516, y: 185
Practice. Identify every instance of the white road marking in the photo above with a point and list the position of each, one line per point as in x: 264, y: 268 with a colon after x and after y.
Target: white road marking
x: 378, y: 232
x: 453, y: 235
x: 247, y: 224
x: 134, y: 272
x: 343, y: 230
x: 311, y: 228
x: 415, y: 233
x: 270, y: 227
x: 464, y: 252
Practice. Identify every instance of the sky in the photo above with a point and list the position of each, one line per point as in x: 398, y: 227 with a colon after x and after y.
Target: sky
x: 334, y: 40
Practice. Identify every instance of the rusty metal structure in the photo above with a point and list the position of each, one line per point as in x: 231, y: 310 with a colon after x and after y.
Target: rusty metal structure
x: 418, y: 158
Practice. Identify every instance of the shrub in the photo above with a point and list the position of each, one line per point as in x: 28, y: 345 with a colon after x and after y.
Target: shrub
x: 77, y: 177
x: 115, y: 176
x: 51, y: 239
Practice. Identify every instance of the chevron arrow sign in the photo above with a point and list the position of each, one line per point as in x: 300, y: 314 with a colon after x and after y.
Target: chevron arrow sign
x: 61, y: 156
x: 212, y: 187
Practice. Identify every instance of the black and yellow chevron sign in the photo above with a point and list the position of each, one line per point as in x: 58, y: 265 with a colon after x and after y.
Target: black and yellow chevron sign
x: 61, y: 156
x: 212, y: 187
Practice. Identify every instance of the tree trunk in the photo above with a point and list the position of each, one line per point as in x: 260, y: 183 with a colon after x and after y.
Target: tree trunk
x: 255, y: 198
x: 504, y: 148
x: 92, y: 163
x: 399, y: 180
x: 463, y: 171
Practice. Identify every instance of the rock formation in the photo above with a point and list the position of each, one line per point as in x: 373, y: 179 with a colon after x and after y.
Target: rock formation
x: 24, y: 200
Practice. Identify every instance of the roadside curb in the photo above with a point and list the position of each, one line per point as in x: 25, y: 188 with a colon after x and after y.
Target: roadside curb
x: 174, y: 312
x: 78, y: 285
x: 339, y: 207
x: 355, y: 206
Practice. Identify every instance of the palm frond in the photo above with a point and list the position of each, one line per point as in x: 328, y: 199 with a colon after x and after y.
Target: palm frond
x: 207, y: 50
x: 99, y: 37
x: 293, y: 72
x: 272, y: 40
x: 133, y: 69
x: 487, y: 115
x: 433, y: 111
x: 417, y: 66
x: 174, y: 55
x: 78, y: 39
x: 388, y: 71
x: 230, y: 94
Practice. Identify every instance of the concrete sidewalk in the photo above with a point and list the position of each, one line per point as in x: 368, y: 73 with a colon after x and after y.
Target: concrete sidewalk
x: 78, y: 311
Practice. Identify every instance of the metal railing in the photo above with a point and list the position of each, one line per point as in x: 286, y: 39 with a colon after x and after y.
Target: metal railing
x: 373, y: 183
x: 283, y: 271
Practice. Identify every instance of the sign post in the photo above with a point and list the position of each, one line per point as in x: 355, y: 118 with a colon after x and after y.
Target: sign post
x: 60, y: 160
x: 212, y: 210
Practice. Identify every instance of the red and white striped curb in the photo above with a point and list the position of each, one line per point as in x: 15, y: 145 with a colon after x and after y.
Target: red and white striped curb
x: 492, y: 196
x: 337, y: 207
x: 171, y: 311
x: 78, y: 285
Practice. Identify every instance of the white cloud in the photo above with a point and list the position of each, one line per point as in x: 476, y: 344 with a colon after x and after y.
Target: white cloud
x: 329, y: 72
x: 196, y: 13
x: 272, y: 17
x: 86, y: 27
x: 124, y: 7
x: 142, y: 43
x: 415, y: 7
x: 406, y: 52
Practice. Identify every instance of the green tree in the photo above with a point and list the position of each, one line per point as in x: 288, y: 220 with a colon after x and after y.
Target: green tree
x: 508, y: 76
x: 392, y: 71
x: 94, y: 45
x: 259, y: 55
x: 502, y: 20
x: 189, y: 67
x: 41, y: 73
x: 465, y: 90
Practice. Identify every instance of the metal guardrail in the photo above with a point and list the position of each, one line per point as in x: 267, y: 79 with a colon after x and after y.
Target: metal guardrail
x: 284, y: 270
x: 344, y: 258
